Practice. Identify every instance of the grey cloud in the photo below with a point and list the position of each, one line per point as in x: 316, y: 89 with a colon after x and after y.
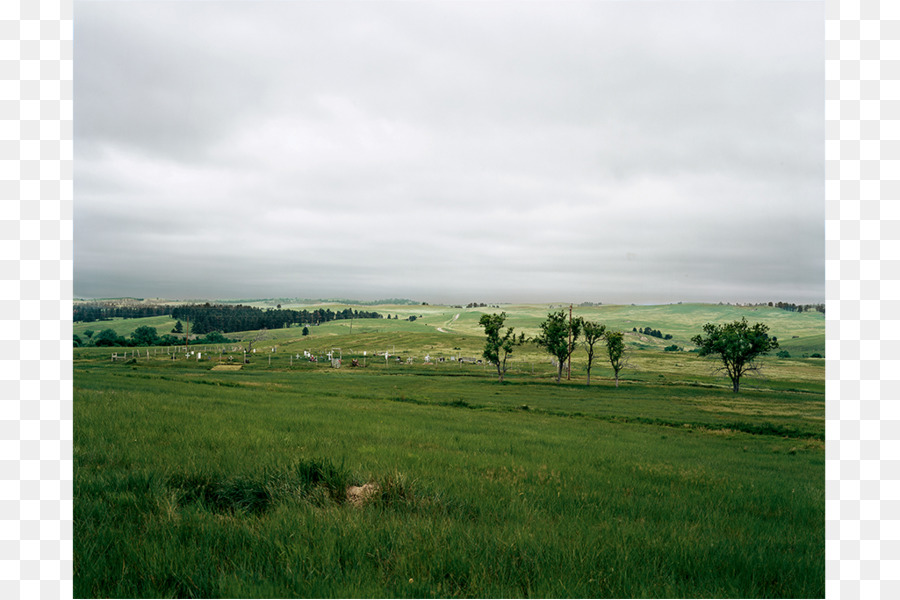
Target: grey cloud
x: 452, y: 149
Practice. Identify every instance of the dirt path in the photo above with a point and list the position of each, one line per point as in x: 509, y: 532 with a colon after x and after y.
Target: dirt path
x: 442, y: 330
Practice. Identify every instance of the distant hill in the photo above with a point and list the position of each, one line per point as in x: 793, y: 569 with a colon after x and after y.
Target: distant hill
x: 344, y: 301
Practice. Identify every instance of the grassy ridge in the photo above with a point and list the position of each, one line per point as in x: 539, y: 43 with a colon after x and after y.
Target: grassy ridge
x: 799, y: 333
x: 198, y: 483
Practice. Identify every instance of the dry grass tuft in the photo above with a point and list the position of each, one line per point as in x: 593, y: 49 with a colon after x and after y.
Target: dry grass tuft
x: 360, y: 495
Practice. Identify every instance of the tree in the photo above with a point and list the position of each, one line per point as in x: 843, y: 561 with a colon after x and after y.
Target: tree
x: 168, y: 340
x: 145, y: 336
x: 108, y: 337
x: 615, y: 348
x: 89, y: 333
x: 554, y: 337
x: 179, y: 328
x: 593, y: 332
x: 498, y: 348
x: 738, y: 345
x: 260, y: 335
x: 305, y: 330
x: 216, y: 337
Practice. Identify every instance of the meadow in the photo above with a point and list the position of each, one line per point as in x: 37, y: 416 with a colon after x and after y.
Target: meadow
x: 192, y: 481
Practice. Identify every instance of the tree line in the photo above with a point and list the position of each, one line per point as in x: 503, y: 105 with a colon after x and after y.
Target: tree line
x: 653, y: 332
x: 736, y: 345
x: 790, y: 306
x: 204, y: 318
x: 559, y: 337
x: 106, y: 311
x: 143, y: 336
x: 208, y: 317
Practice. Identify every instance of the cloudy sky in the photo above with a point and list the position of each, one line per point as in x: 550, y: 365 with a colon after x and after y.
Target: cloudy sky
x: 450, y: 151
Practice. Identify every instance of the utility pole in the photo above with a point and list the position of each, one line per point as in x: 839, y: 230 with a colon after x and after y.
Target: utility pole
x: 569, y: 367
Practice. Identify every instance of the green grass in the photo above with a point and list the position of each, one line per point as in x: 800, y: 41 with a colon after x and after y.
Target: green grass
x: 198, y: 483
x: 799, y: 333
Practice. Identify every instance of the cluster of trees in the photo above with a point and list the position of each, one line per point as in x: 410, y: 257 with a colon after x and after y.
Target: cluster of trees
x: 790, y: 306
x: 143, y: 336
x: 559, y: 336
x: 205, y: 318
x: 737, y: 345
x: 653, y: 332
x: 106, y: 311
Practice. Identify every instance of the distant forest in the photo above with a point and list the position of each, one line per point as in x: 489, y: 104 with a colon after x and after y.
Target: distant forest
x: 789, y: 306
x: 106, y: 311
x: 206, y: 318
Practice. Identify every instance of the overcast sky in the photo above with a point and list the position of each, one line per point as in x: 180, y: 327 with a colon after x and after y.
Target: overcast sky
x: 450, y: 151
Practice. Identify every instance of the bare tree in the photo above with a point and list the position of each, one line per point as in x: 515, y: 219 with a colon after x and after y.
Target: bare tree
x: 260, y: 335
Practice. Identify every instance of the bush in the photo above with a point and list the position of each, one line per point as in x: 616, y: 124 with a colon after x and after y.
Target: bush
x: 216, y: 337
x: 672, y: 348
x: 783, y: 354
x: 145, y: 336
x: 108, y: 337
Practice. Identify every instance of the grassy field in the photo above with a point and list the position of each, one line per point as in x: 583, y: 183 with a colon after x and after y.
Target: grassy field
x: 798, y: 333
x: 194, y: 482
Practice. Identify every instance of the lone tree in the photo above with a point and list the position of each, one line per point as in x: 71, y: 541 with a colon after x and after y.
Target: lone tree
x: 145, y: 336
x: 497, y: 348
x: 738, y: 345
x: 593, y: 332
x: 554, y: 337
x: 108, y: 337
x: 615, y: 348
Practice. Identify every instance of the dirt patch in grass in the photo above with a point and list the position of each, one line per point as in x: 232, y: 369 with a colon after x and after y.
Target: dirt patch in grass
x: 227, y: 368
x: 360, y: 495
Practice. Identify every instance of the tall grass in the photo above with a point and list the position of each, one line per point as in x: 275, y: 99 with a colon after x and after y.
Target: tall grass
x: 196, y: 483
